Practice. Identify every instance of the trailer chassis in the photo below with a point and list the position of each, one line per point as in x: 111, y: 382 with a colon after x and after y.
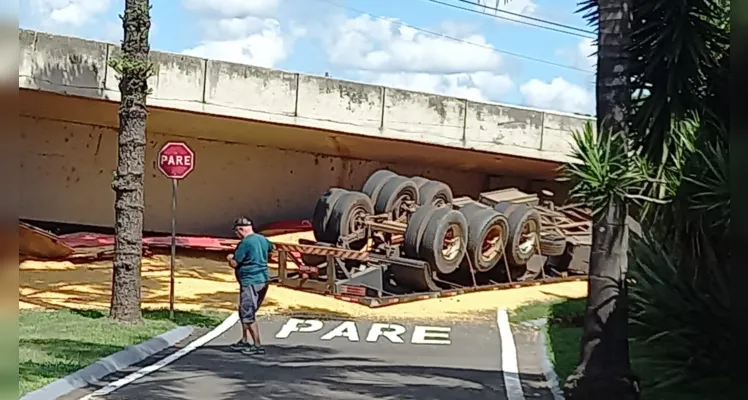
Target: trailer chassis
x: 360, y: 276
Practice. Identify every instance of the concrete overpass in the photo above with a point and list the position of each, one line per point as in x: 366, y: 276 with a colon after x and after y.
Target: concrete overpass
x: 268, y: 142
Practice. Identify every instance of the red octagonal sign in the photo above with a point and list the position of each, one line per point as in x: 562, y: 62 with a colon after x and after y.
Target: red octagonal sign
x: 176, y: 160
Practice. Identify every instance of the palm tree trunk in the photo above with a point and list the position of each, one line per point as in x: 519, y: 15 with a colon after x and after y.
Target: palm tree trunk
x: 134, y: 69
x: 604, y: 370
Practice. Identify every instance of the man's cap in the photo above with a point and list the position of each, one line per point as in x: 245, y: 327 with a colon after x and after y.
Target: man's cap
x: 242, y: 221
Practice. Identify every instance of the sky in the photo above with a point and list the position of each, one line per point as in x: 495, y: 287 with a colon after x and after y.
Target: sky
x: 409, y: 44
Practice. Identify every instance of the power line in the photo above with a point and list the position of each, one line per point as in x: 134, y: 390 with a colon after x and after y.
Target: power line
x: 432, y: 33
x: 528, y: 17
x: 584, y: 34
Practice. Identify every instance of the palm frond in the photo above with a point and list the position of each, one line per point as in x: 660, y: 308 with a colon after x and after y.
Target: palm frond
x: 606, y: 172
x: 684, y: 322
x: 677, y: 51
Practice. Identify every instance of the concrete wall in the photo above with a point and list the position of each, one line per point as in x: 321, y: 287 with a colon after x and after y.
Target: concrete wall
x: 237, y: 118
x: 66, y: 173
x: 74, y: 66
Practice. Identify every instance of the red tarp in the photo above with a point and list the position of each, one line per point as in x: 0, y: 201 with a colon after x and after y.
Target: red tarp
x: 85, y: 239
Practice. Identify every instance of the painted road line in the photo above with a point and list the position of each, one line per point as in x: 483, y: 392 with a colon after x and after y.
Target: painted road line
x: 201, y: 341
x: 509, y: 365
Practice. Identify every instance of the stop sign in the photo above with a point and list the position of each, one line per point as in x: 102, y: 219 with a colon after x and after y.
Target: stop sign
x: 176, y: 160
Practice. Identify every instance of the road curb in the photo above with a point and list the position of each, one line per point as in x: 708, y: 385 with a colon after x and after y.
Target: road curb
x: 110, y: 364
x: 227, y: 324
x: 546, y: 364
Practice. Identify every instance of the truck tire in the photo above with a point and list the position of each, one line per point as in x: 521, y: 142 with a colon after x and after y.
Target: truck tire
x: 553, y: 245
x: 443, y: 223
x: 435, y: 193
x: 393, y: 193
x: 322, y: 211
x: 347, y: 217
x: 419, y: 180
x: 376, y: 182
x: 473, y: 207
x: 485, y: 225
x: 524, y: 225
x: 414, y: 231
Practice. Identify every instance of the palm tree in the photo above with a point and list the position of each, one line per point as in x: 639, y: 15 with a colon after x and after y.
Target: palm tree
x: 680, y: 304
x: 604, y: 370
x: 661, y: 93
x: 134, y: 69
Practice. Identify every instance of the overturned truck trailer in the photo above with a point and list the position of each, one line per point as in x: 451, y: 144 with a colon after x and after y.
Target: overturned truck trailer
x: 407, y: 238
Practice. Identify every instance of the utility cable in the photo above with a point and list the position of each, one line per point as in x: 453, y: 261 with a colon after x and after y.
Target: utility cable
x: 529, y: 17
x: 584, y: 34
x: 432, y: 33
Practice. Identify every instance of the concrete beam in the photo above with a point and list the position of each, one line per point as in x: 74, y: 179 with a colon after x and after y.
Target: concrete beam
x: 73, y: 66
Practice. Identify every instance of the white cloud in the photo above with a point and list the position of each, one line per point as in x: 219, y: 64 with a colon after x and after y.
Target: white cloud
x: 384, y: 52
x: 559, y: 94
x: 240, y: 31
x: 586, y: 54
x: 582, y: 56
x: 494, y: 7
x: 477, y: 86
x: 263, y: 46
x: 233, y: 8
x: 381, y: 45
x: 68, y: 12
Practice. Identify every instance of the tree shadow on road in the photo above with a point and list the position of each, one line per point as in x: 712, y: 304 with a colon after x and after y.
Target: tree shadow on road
x: 309, y: 372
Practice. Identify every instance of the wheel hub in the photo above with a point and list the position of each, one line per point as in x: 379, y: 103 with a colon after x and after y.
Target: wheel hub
x: 492, y: 244
x: 452, y: 244
x: 401, y: 209
x: 528, y: 239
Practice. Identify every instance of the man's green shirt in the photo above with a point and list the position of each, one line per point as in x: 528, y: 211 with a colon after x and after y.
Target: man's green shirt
x: 251, y: 255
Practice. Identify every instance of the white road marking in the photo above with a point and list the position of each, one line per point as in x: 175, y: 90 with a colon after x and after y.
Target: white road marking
x: 422, y: 335
x: 509, y: 366
x: 431, y: 335
x: 391, y: 331
x: 201, y: 341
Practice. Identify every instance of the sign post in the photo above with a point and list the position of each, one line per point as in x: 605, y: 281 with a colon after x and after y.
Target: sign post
x: 175, y: 160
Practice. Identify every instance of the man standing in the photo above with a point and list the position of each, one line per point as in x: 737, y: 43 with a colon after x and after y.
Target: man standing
x: 250, y: 263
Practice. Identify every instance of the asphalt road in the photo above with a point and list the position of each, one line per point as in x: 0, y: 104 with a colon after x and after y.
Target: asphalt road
x: 339, y: 360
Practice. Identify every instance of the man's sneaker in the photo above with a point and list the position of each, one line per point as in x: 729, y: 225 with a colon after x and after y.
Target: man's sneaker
x: 240, y: 345
x: 252, y: 350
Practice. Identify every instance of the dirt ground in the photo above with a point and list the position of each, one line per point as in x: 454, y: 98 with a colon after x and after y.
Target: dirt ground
x: 204, y: 281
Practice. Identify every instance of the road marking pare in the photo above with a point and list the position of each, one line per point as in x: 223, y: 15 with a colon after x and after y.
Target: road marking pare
x: 394, y: 333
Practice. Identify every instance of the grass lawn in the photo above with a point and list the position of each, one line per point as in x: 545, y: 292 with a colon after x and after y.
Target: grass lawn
x: 564, y: 333
x: 53, y: 344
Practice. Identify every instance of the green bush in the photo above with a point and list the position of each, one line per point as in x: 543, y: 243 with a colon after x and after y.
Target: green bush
x: 680, y: 312
x: 680, y: 299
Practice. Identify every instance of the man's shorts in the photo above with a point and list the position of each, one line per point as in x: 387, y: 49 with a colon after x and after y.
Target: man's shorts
x: 250, y: 300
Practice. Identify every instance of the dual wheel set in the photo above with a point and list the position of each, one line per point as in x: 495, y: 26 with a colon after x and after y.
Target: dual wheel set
x: 417, y: 215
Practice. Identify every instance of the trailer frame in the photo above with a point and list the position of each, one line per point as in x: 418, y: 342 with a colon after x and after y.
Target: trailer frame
x: 366, y: 286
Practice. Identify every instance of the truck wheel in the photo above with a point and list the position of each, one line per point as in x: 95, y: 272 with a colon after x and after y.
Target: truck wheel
x: 524, y: 230
x: 473, y: 207
x: 419, y: 180
x: 394, y: 194
x: 414, y: 231
x: 347, y: 216
x: 322, y: 211
x: 487, y: 238
x: 435, y: 193
x: 444, y: 240
x: 376, y: 182
x: 553, y: 244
